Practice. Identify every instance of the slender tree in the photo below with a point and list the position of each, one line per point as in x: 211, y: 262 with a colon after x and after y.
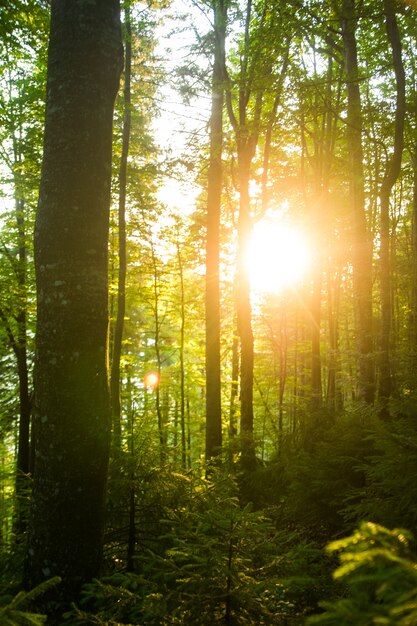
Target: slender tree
x: 121, y: 290
x: 392, y: 172
x: 158, y: 355
x: 181, y: 355
x: 214, y: 193
x: 362, y: 243
x: 246, y: 135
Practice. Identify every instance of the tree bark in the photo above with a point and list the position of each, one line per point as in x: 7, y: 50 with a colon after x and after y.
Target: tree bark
x: 158, y: 408
x: 214, y: 192
x: 244, y: 314
x: 246, y: 141
x: 234, y: 386
x: 362, y: 242
x: 72, y: 407
x: 413, y: 315
x: 121, y: 291
x: 182, y: 359
x: 391, y: 174
x: 20, y: 348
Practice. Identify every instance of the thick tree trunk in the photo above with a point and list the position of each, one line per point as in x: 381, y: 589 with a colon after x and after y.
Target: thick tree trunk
x: 72, y: 408
x: 214, y: 192
x: 391, y: 174
x: 362, y: 242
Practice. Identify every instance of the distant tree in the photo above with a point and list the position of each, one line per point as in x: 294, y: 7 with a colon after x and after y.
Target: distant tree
x: 253, y: 93
x: 391, y: 175
x: 72, y: 408
x: 22, y: 76
x: 362, y: 242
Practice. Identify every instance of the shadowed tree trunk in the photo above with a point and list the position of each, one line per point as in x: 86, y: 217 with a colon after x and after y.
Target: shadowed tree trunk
x: 244, y: 311
x: 391, y: 174
x: 413, y: 316
x: 362, y: 242
x: 121, y: 291
x: 246, y: 142
x: 72, y: 407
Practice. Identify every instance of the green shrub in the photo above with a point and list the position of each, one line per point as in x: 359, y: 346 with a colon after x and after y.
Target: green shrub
x: 380, y: 574
x: 14, y: 613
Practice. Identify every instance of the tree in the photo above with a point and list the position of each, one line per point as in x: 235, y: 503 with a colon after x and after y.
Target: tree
x: 121, y: 291
x: 362, y: 243
x: 392, y: 172
x: 214, y: 192
x: 260, y: 50
x: 71, y: 407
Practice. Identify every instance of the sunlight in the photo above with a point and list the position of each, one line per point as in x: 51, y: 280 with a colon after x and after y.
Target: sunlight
x: 278, y: 256
x: 151, y: 380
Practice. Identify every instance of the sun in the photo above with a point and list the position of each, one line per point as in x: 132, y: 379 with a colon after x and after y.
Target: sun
x: 278, y: 256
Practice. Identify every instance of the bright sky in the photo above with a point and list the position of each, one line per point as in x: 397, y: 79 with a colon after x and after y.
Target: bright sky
x: 178, y: 121
x: 279, y: 253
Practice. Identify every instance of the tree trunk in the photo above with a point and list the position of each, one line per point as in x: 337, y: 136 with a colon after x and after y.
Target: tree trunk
x: 158, y: 408
x: 362, y: 242
x: 182, y: 361
x: 246, y: 140
x: 121, y: 292
x: 131, y: 540
x: 234, y: 387
x: 315, y: 312
x: 391, y: 174
x: 72, y: 408
x: 334, y: 399
x: 20, y: 346
x: 244, y: 315
x: 413, y: 315
x: 214, y: 192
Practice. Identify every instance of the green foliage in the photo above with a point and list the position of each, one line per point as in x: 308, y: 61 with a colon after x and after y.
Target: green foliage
x: 200, y: 554
x: 390, y: 494
x: 14, y: 613
x: 380, y: 572
x: 303, y: 575
x: 214, y: 567
x: 116, y: 599
x: 325, y: 473
x: 215, y: 561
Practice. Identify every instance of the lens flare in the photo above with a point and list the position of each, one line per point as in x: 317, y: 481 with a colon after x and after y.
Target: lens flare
x: 151, y: 380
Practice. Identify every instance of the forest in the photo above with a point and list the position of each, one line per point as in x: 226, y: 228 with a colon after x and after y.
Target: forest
x: 208, y: 312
